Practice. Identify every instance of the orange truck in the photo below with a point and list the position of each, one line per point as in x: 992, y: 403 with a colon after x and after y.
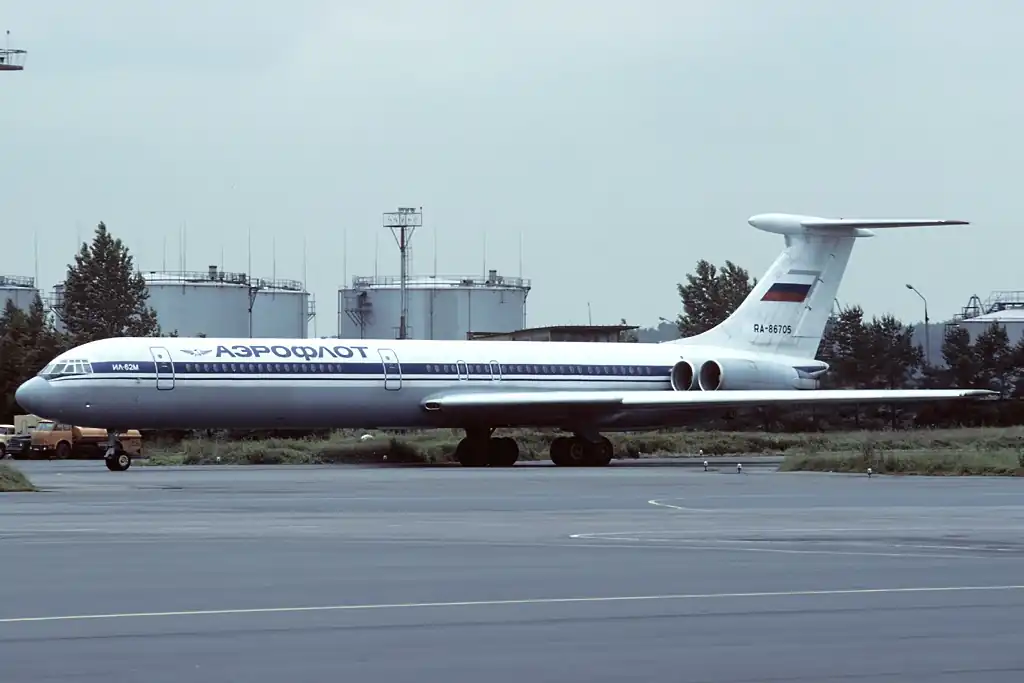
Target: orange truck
x: 62, y: 441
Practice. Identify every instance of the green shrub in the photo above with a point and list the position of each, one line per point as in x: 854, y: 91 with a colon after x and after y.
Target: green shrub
x: 12, y: 480
x: 438, y: 446
x: 963, y: 461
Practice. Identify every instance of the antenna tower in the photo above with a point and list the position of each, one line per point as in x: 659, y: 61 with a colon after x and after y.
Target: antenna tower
x: 403, y: 224
x: 11, y: 60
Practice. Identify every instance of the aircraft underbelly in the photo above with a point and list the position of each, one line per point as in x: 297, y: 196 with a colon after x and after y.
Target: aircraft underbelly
x: 280, y: 405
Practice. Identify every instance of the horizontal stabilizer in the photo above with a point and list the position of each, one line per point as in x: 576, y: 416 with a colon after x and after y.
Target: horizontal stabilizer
x: 878, y: 222
x: 796, y: 224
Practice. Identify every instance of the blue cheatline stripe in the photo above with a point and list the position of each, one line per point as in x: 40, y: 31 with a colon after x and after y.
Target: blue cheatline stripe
x: 426, y: 371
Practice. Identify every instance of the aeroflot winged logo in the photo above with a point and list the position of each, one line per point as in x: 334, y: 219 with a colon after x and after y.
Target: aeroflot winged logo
x: 196, y: 352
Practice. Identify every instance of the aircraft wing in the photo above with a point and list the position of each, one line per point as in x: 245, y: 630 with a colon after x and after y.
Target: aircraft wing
x: 543, y: 407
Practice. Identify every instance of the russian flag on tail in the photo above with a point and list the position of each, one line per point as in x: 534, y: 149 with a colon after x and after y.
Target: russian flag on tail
x: 793, y: 287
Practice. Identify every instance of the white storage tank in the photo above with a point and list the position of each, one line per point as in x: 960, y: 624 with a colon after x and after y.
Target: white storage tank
x: 20, y: 290
x: 214, y: 303
x: 56, y: 304
x: 439, y: 307
x: 282, y: 309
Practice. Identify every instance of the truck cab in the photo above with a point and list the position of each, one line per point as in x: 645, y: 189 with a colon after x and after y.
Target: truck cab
x: 7, y: 432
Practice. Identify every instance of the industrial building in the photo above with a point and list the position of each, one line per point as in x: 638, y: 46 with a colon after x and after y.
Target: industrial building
x: 21, y: 290
x: 438, y: 307
x: 223, y: 304
x: 1003, y: 307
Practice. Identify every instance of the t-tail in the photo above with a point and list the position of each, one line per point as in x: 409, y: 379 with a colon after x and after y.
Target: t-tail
x: 788, y: 309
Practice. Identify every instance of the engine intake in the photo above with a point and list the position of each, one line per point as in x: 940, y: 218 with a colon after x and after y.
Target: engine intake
x: 737, y: 373
x: 682, y: 376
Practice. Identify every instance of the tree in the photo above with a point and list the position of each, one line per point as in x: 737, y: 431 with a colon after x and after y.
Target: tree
x: 843, y: 347
x: 104, y: 296
x: 710, y: 296
x: 958, y: 353
x: 1017, y: 362
x: 27, y: 343
x: 891, y: 355
x: 13, y: 346
x: 994, y: 358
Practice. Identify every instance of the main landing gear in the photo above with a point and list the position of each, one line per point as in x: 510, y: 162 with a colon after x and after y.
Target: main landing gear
x: 577, y: 451
x: 116, y: 458
x: 481, y: 449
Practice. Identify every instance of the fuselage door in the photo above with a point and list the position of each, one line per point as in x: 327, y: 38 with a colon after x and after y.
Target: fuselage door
x: 392, y: 370
x: 495, y: 370
x: 164, y: 368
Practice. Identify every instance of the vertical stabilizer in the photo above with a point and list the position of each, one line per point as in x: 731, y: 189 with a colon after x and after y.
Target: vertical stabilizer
x: 787, y: 311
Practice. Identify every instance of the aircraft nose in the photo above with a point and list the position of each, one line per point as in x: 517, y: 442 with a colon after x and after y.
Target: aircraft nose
x: 30, y: 395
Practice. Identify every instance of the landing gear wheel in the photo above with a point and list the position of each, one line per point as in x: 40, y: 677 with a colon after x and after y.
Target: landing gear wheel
x: 119, y: 462
x: 472, y: 452
x: 116, y: 459
x: 600, y: 454
x: 579, y: 452
x: 569, y: 451
x: 559, y: 451
x: 503, y: 452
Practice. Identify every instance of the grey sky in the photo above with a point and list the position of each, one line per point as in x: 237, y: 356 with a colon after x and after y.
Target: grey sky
x: 623, y: 140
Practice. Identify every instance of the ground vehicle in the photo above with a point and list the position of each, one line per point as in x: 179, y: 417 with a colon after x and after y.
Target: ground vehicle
x: 60, y: 440
x: 19, y: 446
x: 6, y: 433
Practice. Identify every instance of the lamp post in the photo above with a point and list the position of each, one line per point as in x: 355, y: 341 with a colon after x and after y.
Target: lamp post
x: 927, y: 344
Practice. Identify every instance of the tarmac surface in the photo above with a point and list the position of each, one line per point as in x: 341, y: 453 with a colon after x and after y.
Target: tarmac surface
x: 628, y: 573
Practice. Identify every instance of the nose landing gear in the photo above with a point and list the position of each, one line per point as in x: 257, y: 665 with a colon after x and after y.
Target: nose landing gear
x: 116, y: 459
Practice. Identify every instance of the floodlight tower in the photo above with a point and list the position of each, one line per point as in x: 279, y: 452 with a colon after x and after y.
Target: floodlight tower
x: 11, y: 60
x: 403, y: 224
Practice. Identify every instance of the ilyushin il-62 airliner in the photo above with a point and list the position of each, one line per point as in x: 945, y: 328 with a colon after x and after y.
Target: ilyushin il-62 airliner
x: 763, y: 354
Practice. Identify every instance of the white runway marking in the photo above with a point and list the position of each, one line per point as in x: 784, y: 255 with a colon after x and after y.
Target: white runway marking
x: 658, y: 503
x: 759, y: 546
x: 833, y: 508
x: 522, y: 601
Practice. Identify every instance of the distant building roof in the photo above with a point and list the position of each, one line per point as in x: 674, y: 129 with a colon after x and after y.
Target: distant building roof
x: 560, y: 333
x: 1005, y: 315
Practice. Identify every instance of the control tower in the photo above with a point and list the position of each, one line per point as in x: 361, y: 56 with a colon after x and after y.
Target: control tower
x: 10, y: 59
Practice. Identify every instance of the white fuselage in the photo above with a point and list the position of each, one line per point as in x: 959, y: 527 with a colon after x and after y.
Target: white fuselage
x: 760, y: 355
x: 153, y: 383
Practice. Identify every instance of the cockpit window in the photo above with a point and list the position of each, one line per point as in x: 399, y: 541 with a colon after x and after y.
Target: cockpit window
x: 66, y: 368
